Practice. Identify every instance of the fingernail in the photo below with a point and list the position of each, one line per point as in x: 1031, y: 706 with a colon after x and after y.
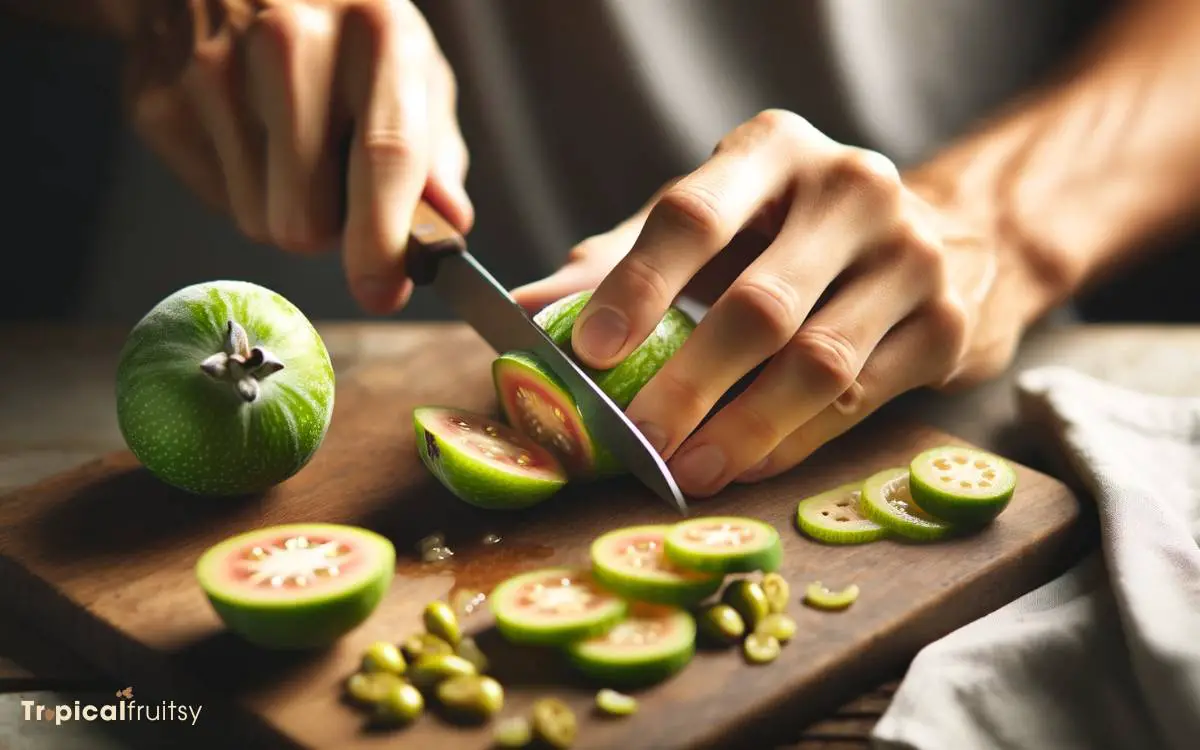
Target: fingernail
x: 749, y: 475
x: 603, y: 334
x: 653, y: 434
x: 699, y: 467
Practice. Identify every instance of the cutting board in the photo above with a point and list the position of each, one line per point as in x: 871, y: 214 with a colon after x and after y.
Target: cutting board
x: 100, y: 558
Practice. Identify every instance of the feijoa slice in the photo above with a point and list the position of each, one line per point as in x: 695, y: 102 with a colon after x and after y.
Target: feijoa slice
x: 483, y: 462
x: 961, y: 485
x: 886, y: 501
x: 554, y: 723
x: 612, y: 703
x: 297, y: 586
x: 818, y: 596
x: 761, y: 648
x: 777, y: 591
x: 513, y: 732
x: 724, y: 544
x: 833, y: 517
x: 631, y: 563
x: 648, y: 646
x: 554, y: 607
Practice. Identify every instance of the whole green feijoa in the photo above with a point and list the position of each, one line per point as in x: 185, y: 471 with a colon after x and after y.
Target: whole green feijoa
x: 382, y: 656
x: 429, y: 671
x: 441, y: 621
x: 470, y: 698
x: 749, y: 599
x: 554, y: 723
x: 420, y: 645
x: 721, y: 624
x: 224, y: 388
x: 402, y: 704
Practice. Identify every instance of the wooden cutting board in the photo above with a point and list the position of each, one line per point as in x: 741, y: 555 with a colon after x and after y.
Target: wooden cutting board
x: 101, y: 559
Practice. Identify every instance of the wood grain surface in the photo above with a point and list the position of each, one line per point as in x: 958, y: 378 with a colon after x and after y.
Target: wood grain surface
x: 101, y: 559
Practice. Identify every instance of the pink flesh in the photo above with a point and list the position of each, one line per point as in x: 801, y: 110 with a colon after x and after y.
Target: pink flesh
x: 506, y: 444
x: 236, y: 568
x: 617, y: 546
x: 517, y: 595
x: 518, y: 379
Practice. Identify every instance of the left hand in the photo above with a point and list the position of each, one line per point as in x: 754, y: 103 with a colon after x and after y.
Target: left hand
x: 860, y: 290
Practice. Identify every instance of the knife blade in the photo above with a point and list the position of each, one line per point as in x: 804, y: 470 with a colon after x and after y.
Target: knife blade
x: 437, y: 257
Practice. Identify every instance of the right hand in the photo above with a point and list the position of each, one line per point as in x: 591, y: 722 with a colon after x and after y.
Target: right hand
x: 254, y: 113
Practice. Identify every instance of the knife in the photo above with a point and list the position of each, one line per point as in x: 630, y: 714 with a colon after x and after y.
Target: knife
x: 437, y: 256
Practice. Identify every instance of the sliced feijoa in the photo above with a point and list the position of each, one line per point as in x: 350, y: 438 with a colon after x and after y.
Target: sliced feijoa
x: 818, y: 596
x: 886, y: 501
x: 833, y: 517
x: 724, y: 544
x: 484, y: 462
x: 613, y: 703
x: 631, y: 562
x: 623, y: 381
x: 537, y: 402
x: 554, y: 607
x: 961, y: 485
x: 554, y: 723
x: 297, y: 586
x: 648, y: 646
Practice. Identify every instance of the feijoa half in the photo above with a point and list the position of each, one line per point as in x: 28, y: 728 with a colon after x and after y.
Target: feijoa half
x: 724, y: 544
x: 554, y: 607
x: 833, y: 517
x: 886, y: 501
x: 645, y: 648
x: 297, y: 586
x: 483, y: 462
x: 961, y: 485
x: 631, y: 563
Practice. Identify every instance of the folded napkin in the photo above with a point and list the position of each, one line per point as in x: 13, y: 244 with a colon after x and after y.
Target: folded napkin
x: 1108, y: 655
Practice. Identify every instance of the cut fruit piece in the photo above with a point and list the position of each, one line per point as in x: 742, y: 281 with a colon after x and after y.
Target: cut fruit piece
x: 537, y: 402
x: 297, y: 586
x: 816, y: 595
x: 647, y: 647
x: 553, y: 607
x: 483, y: 462
x: 724, y: 544
x: 833, y: 517
x: 631, y: 563
x: 620, y: 383
x: 886, y: 501
x: 961, y: 485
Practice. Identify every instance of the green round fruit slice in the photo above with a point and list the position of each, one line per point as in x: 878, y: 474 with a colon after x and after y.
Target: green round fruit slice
x: 648, y: 646
x: 485, y: 463
x: 224, y: 388
x: 553, y: 607
x: 630, y: 562
x: 724, y: 544
x: 886, y: 501
x: 620, y: 383
x: 297, y: 586
x: 833, y: 517
x: 961, y: 485
x: 537, y: 402
x: 818, y: 596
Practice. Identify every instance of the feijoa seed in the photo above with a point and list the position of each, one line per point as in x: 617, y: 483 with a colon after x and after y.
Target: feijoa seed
x: 777, y: 625
x: 440, y: 620
x: 421, y: 645
x: 554, y: 723
x: 382, y: 656
x: 721, y: 624
x: 777, y: 591
x: 471, y: 698
x: 513, y: 732
x: 616, y: 704
x: 469, y: 650
x: 369, y: 688
x: 429, y: 671
x: 749, y: 599
x: 760, y: 648
x: 401, y: 704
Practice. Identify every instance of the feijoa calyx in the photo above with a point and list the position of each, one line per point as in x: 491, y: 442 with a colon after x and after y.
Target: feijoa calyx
x: 297, y: 586
x: 224, y: 388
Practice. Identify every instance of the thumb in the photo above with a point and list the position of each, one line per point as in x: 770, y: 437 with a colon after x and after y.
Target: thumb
x: 573, y: 277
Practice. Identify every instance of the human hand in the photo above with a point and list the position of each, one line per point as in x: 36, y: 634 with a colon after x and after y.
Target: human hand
x: 252, y: 106
x: 856, y: 288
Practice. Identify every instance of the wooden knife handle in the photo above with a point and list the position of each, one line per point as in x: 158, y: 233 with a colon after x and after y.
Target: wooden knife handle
x: 431, y: 239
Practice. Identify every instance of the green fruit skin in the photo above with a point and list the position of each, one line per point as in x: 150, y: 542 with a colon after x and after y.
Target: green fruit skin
x: 921, y: 531
x: 960, y: 511
x: 196, y: 433
x: 470, y: 479
x: 676, y: 594
x: 766, y: 560
x: 551, y: 633
x: 305, y: 625
x: 631, y: 674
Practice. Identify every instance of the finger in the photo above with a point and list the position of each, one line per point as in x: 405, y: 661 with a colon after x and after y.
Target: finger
x: 291, y: 54
x: 213, y: 82
x: 918, y: 352
x: 172, y: 130
x: 689, y: 225
x: 814, y: 368
x: 389, y: 159
x: 446, y: 189
x: 573, y: 277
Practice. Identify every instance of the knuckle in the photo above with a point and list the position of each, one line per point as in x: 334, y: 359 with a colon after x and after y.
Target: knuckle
x: 391, y: 146
x: 641, y: 278
x: 830, y: 354
x: 865, y: 173
x: 948, y: 318
x: 918, y: 247
x: 782, y: 122
x: 758, y: 428
x: 693, y: 208
x: 687, y: 398
x: 770, y: 304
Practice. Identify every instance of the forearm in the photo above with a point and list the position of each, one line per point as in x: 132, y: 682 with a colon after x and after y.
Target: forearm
x: 1090, y: 171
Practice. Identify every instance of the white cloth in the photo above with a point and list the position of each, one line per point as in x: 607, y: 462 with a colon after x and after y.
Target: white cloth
x: 1108, y: 655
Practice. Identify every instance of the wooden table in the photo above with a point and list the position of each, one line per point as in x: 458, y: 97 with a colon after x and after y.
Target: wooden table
x: 56, y: 411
